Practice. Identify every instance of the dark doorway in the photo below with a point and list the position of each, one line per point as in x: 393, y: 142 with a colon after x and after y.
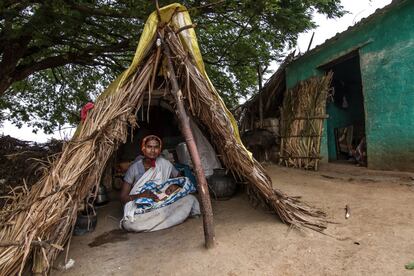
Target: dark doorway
x: 346, y: 123
x: 162, y: 122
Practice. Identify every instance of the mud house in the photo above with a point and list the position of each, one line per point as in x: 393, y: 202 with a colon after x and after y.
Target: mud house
x: 373, y: 87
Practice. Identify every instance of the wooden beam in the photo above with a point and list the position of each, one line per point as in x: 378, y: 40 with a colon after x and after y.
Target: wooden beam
x: 192, y: 148
x: 260, y: 79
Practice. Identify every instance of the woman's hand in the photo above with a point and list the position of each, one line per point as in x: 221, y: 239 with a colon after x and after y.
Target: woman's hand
x: 145, y: 194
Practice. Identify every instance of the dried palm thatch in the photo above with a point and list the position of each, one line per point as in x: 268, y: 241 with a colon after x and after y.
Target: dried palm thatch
x: 48, y: 211
x: 302, y: 117
x: 37, y: 223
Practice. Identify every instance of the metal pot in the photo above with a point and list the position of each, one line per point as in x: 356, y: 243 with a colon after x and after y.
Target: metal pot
x: 222, y: 186
x: 102, y: 196
x: 85, y: 223
x: 183, y: 155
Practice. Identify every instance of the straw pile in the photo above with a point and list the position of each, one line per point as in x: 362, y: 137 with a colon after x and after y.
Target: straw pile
x: 302, y: 117
x: 38, y: 223
x: 22, y: 161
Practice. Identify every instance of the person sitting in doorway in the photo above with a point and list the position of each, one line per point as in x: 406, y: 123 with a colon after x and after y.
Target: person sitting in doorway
x: 151, y: 148
x: 144, y: 179
x: 360, y: 153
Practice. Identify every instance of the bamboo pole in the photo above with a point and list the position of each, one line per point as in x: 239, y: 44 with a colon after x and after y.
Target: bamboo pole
x: 260, y: 78
x: 192, y: 148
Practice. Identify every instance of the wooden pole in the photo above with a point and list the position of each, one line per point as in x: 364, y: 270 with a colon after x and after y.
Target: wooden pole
x: 260, y: 79
x: 192, y: 148
x: 310, y: 42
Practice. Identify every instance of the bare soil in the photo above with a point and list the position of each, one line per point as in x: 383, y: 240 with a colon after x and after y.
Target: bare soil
x: 377, y: 239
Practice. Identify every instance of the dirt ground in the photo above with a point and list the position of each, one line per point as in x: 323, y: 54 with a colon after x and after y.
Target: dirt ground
x: 377, y: 239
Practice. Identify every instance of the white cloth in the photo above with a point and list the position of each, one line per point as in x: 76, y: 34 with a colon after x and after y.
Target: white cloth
x: 208, y: 157
x: 164, y: 217
x: 158, y: 174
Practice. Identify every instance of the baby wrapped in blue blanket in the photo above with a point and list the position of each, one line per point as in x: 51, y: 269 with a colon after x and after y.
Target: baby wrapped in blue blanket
x: 168, y: 192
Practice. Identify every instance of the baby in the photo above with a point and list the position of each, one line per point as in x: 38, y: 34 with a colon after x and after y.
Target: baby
x: 165, y: 193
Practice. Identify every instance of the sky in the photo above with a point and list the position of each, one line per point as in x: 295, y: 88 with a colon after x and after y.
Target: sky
x: 326, y: 29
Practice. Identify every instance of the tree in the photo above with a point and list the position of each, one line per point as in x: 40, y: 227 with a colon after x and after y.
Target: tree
x: 56, y: 55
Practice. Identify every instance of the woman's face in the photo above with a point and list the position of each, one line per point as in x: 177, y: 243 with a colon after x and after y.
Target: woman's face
x: 152, y: 149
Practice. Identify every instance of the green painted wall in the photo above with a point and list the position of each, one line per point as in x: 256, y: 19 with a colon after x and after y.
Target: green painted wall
x: 386, y: 52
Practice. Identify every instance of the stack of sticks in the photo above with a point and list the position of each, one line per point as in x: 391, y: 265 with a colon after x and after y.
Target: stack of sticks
x: 302, y: 118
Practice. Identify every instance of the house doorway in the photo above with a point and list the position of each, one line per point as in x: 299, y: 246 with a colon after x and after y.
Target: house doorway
x: 346, y: 123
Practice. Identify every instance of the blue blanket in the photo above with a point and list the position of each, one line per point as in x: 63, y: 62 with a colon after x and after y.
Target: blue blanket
x: 147, y: 204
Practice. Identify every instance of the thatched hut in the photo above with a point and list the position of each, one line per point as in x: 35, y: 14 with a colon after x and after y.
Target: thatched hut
x: 286, y: 128
x: 259, y: 117
x: 37, y: 223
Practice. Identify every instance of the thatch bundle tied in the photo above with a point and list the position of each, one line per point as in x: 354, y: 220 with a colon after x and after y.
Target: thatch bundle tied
x: 302, y: 117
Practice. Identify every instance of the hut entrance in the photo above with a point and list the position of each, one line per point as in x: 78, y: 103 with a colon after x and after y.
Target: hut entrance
x: 346, y: 124
x: 160, y: 120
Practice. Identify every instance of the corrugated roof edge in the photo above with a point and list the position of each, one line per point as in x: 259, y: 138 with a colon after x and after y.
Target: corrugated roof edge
x: 352, y: 28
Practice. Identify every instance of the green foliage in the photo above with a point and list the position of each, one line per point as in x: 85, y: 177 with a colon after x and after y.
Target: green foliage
x: 64, y: 52
x: 52, y: 97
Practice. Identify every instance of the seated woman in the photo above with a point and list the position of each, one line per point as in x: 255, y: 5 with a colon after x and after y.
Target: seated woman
x: 152, y: 200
